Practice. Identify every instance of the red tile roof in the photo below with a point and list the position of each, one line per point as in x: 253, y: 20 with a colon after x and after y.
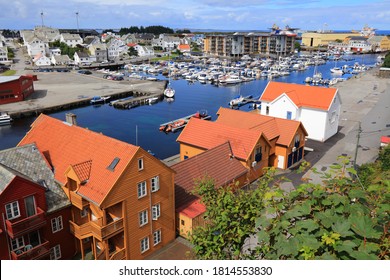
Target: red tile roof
x: 217, y: 163
x: 192, y: 210
x: 282, y: 129
x: 302, y: 95
x: 89, y: 153
x: 184, y: 47
x: 207, y: 135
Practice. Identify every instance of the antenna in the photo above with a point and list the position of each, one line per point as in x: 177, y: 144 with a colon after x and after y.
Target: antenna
x: 42, y: 18
x: 77, y: 19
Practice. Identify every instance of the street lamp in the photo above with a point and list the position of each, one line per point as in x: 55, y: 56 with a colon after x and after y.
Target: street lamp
x: 357, y: 141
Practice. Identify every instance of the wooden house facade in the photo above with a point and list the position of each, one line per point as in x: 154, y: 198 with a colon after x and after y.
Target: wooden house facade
x: 122, y: 197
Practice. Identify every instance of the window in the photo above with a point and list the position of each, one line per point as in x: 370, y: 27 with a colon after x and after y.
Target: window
x: 140, y: 164
x: 258, y: 154
x: 155, y: 182
x: 333, y: 117
x: 12, y: 210
x: 297, y: 141
x: 267, y: 110
x: 144, y: 244
x: 84, y: 212
x: 141, y: 189
x: 56, y: 224
x: 17, y: 243
x: 289, y: 115
x: 30, y: 206
x: 156, y: 237
x: 143, y: 218
x: 182, y: 222
x: 55, y: 252
x: 156, y: 211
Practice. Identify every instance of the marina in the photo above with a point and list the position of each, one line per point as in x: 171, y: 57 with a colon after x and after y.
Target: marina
x: 121, y: 124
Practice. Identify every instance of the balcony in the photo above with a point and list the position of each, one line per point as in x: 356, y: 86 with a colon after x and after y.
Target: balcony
x: 92, y: 228
x: 78, y: 201
x: 32, y: 253
x: 20, y: 227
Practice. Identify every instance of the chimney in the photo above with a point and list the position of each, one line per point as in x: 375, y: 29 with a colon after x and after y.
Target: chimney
x: 71, y: 118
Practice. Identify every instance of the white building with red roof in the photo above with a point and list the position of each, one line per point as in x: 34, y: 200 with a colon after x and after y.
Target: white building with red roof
x: 318, y: 108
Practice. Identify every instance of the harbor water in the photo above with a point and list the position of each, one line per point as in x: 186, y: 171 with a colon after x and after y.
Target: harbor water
x: 140, y: 125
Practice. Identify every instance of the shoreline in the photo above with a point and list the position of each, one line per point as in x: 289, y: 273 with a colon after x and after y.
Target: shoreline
x: 60, y: 91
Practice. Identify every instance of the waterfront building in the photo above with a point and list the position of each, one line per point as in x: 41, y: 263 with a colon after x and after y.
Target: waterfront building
x: 3, y: 54
x: 116, y: 48
x: 98, y: 51
x: 72, y: 40
x: 318, y: 108
x: 41, y: 60
x: 166, y: 42
x: 81, y: 58
x: 15, y: 88
x: 34, y: 210
x: 380, y: 43
x: 122, y: 197
x: 218, y: 164
x: 275, y: 43
x: 286, y: 137
x: 257, y: 141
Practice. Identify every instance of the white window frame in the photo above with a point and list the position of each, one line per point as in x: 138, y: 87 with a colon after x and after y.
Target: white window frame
x: 143, y: 218
x: 156, y: 211
x: 157, y: 237
x: 57, y: 224
x: 12, y: 210
x: 144, y: 244
x: 55, y: 252
x: 141, y: 189
x: 17, y: 243
x: 140, y: 164
x: 155, y: 183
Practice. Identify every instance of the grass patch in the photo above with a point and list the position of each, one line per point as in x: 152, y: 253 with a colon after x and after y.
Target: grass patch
x: 9, y: 73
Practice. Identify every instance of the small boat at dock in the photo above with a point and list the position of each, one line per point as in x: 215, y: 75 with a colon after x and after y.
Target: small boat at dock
x: 177, y: 124
x: 5, y: 118
x: 99, y: 99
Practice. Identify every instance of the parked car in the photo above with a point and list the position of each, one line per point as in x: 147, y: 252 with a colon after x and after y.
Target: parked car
x: 85, y: 72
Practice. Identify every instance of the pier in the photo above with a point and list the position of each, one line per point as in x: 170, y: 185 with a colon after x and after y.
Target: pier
x: 57, y: 91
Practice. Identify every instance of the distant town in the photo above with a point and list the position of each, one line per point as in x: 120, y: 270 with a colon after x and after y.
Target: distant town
x: 68, y: 192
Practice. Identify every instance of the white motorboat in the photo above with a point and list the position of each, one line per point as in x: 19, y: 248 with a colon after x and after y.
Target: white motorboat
x: 5, y: 119
x: 337, y: 70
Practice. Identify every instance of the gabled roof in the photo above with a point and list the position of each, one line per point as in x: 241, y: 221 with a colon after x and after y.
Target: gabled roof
x: 184, y: 47
x: 302, y: 95
x: 281, y: 129
x: 66, y: 145
x: 28, y: 162
x: 206, y: 134
x: 217, y: 163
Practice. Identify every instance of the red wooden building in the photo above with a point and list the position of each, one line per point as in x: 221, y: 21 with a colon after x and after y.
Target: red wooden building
x: 34, y: 210
x: 15, y: 88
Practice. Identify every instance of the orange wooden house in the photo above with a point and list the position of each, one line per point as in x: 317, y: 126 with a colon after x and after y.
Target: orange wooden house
x: 250, y: 147
x: 122, y: 197
x: 257, y: 141
x: 218, y: 164
x: 287, y: 137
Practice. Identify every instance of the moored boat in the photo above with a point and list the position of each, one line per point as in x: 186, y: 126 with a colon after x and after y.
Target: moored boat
x: 99, y: 99
x: 5, y: 118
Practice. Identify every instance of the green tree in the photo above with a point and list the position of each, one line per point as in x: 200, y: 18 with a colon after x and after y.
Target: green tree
x: 229, y: 220
x: 386, y: 62
x: 132, y: 52
x: 339, y: 219
x: 297, y: 46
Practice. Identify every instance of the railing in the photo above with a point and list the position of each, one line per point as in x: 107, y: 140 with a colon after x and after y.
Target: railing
x: 103, y: 232
x: 101, y: 255
x: 91, y: 228
x: 77, y: 200
x: 35, y: 253
x: 21, y: 227
x: 119, y: 255
x: 80, y: 231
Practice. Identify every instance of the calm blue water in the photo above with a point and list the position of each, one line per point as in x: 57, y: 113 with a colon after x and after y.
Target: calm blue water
x: 140, y: 125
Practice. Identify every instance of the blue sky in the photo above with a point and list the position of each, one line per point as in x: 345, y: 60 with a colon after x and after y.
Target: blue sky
x: 197, y: 14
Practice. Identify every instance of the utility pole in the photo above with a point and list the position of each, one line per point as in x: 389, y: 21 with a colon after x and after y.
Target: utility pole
x: 42, y: 18
x: 357, y: 144
x: 77, y: 19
